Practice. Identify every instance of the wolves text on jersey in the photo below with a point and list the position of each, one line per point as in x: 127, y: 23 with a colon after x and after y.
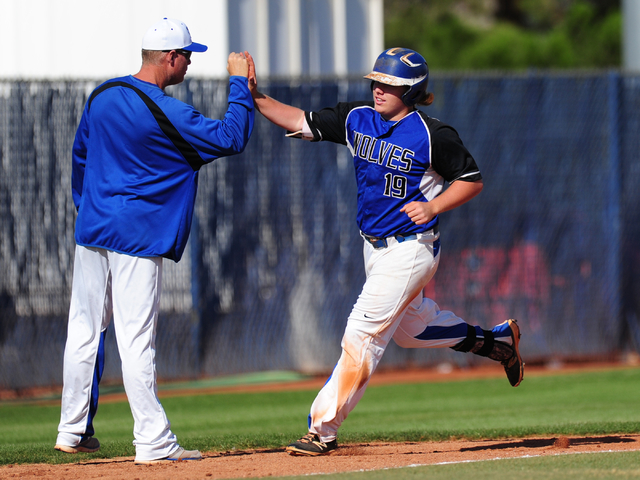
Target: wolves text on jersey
x: 387, y: 154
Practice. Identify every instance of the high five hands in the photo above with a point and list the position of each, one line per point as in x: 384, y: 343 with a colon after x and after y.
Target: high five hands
x: 253, y: 79
x: 237, y: 64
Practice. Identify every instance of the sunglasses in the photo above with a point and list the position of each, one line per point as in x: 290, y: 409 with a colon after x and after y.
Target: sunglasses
x: 185, y: 53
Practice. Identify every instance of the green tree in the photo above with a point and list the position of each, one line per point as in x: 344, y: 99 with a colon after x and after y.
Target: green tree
x: 523, y: 34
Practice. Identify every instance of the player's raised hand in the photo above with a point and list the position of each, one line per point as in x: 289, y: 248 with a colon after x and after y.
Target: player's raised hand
x: 419, y: 212
x: 237, y: 64
x: 253, y: 79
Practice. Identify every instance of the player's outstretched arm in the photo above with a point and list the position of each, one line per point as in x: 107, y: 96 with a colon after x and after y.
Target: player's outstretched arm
x: 457, y: 194
x: 285, y: 116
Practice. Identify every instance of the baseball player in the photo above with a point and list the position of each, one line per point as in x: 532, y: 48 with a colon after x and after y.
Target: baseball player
x: 402, y: 159
x: 136, y: 158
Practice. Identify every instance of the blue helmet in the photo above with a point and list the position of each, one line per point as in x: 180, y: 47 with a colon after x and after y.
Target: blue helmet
x: 402, y: 66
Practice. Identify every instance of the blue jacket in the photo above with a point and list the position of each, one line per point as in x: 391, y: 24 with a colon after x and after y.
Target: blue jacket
x: 133, y: 188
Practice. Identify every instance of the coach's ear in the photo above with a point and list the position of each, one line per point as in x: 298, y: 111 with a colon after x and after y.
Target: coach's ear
x: 171, y: 57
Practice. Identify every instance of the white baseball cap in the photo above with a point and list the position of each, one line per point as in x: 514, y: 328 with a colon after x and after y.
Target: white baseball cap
x: 170, y: 34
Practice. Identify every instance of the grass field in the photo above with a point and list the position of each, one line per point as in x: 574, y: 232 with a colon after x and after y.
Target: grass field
x: 597, y: 466
x: 603, y: 402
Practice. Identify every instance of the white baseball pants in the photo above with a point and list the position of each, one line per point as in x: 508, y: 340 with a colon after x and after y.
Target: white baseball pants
x: 106, y: 282
x: 391, y: 305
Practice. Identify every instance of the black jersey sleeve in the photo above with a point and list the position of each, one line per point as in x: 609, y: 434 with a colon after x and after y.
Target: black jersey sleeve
x: 450, y: 158
x: 329, y: 124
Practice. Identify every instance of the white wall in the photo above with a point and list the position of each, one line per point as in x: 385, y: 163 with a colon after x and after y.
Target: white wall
x: 631, y: 35
x: 308, y: 37
x: 99, y: 39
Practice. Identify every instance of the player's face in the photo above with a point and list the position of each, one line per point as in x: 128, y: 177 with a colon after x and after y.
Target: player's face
x: 388, y: 101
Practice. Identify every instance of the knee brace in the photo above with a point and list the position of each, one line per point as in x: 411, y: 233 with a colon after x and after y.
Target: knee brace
x: 485, y: 346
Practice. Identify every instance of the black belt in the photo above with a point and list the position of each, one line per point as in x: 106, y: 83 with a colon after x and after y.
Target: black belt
x: 381, y: 242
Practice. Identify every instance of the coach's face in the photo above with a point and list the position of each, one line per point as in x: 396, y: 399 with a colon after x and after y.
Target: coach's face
x: 388, y: 101
x: 178, y: 64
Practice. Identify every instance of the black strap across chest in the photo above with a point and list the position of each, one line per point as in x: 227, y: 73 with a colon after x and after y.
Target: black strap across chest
x: 185, y: 148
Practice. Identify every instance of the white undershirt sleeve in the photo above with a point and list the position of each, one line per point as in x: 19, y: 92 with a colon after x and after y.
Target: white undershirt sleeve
x: 304, y: 133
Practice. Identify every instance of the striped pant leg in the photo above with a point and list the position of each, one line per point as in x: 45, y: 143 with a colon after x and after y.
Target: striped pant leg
x: 89, y: 315
x: 395, y: 276
x: 424, y: 325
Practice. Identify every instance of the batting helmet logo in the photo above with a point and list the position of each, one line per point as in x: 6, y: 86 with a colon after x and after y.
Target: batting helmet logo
x: 405, y: 59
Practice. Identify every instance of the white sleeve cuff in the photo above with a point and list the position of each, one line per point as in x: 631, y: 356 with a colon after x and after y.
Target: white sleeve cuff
x: 304, y: 133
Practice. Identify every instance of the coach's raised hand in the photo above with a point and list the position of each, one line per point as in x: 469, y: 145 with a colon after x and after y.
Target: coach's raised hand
x: 238, y: 65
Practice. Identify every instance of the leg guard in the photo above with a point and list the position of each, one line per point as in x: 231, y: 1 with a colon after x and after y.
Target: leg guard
x: 485, y: 346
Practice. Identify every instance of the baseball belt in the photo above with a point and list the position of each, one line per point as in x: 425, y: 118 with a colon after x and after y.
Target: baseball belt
x: 381, y: 242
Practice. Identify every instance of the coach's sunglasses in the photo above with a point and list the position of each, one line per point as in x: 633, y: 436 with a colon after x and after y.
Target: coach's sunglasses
x: 185, y: 53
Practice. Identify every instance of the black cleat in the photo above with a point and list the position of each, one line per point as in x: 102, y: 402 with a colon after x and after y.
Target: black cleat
x: 311, y: 445
x: 514, y: 366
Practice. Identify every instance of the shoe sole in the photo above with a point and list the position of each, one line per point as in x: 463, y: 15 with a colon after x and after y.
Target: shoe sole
x: 515, y: 336
x: 69, y: 449
x: 305, y: 453
x: 165, y: 460
x: 151, y: 462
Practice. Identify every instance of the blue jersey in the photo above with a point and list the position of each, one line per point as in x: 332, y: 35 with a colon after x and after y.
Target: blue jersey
x: 395, y: 162
x: 132, y: 186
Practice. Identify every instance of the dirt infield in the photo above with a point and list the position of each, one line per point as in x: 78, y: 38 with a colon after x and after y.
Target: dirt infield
x: 374, y: 456
x: 355, y: 457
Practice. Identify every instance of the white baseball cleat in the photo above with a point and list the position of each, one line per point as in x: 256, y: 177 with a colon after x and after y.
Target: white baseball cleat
x: 88, y: 445
x: 180, y: 455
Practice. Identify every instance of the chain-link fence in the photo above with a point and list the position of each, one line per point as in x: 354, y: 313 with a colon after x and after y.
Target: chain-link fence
x: 274, y: 263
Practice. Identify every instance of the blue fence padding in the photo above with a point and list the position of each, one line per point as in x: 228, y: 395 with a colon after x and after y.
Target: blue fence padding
x: 274, y: 263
